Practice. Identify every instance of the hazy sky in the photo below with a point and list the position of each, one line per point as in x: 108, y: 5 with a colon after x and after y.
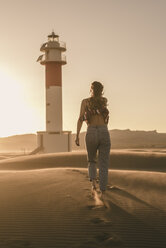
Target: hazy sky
x: 121, y: 43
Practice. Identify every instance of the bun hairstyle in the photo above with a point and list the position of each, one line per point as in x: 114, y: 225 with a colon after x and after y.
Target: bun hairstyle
x: 97, y: 89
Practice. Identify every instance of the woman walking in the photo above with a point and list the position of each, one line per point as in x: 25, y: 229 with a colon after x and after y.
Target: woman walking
x: 94, y: 111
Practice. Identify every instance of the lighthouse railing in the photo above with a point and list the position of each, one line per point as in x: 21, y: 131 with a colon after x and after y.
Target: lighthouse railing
x: 44, y: 58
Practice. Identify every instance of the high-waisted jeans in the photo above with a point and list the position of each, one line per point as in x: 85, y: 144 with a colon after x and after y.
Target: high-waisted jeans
x: 98, y: 139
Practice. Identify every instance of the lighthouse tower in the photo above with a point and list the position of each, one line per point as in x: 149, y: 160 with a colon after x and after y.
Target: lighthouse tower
x: 54, y: 139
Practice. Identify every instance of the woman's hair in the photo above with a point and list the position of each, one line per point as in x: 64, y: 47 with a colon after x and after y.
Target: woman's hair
x: 97, y: 89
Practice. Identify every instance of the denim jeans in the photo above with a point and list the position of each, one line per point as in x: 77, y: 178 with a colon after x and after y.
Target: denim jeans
x: 98, y: 140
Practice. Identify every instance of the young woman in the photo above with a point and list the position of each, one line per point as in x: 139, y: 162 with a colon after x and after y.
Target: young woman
x: 94, y: 111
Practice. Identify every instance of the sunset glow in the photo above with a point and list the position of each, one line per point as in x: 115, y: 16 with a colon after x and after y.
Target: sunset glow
x: 17, y: 114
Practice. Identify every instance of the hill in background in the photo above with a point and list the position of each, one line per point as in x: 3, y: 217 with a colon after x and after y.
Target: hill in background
x: 120, y: 139
x: 22, y: 143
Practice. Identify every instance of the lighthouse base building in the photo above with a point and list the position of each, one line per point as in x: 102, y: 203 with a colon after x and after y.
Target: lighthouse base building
x: 50, y: 142
x: 54, y: 139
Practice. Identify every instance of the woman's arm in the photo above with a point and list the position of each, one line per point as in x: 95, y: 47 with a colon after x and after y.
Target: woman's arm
x: 79, y: 125
x: 79, y: 122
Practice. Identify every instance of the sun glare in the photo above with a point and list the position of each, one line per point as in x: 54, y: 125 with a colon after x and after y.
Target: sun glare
x: 13, y: 106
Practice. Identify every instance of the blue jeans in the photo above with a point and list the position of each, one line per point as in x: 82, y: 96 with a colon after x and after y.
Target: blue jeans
x: 98, y: 139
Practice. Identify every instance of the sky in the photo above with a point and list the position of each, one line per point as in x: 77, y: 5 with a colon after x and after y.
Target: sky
x: 120, y: 43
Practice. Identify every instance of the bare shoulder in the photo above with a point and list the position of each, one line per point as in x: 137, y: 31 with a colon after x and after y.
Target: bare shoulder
x: 86, y: 99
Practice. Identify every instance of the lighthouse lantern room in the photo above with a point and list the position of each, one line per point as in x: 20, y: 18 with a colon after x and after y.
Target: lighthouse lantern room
x: 54, y: 139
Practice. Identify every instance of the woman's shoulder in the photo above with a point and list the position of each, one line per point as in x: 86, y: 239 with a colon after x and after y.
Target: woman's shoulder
x: 87, y: 100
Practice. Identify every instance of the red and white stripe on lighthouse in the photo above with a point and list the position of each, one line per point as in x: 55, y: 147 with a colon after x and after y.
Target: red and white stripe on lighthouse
x: 53, y: 59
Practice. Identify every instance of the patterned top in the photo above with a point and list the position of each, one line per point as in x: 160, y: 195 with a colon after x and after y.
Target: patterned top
x: 91, y: 107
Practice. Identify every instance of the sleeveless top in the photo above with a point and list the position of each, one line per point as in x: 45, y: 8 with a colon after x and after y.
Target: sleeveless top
x: 93, y: 108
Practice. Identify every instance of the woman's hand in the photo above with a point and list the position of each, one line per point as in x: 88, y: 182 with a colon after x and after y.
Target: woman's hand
x: 77, y: 141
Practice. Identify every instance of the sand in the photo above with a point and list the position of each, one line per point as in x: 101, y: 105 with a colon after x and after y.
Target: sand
x: 46, y: 205
x: 119, y: 160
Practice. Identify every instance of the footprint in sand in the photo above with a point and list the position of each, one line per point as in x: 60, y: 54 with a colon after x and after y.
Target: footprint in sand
x: 113, y: 187
x: 102, y: 237
x: 114, y: 240
x: 97, y: 220
x: 107, y: 240
x: 91, y: 207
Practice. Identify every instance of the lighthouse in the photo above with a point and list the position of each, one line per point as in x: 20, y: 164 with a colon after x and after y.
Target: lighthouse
x: 54, y: 139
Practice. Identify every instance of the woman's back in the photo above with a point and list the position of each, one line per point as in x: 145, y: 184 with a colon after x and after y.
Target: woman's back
x: 94, y: 111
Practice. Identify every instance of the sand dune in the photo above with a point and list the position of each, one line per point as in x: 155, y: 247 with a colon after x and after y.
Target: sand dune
x: 54, y: 207
x: 119, y: 159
